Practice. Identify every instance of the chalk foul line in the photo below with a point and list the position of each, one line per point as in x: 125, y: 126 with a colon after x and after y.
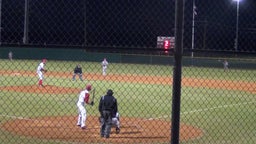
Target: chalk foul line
x: 218, y: 107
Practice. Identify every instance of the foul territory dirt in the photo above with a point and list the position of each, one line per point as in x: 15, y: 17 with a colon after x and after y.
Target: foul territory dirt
x: 133, y: 130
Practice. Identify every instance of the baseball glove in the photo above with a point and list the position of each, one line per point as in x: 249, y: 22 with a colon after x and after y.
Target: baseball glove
x: 45, y: 70
x: 92, y: 103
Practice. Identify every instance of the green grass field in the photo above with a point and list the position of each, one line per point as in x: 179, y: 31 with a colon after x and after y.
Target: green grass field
x: 225, y: 116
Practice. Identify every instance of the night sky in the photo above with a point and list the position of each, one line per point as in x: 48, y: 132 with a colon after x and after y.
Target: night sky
x: 128, y: 23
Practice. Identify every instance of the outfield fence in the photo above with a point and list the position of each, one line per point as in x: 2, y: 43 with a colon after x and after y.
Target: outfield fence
x: 216, y: 103
x: 69, y: 54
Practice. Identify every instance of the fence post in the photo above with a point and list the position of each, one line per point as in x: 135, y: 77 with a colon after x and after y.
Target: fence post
x: 179, y: 14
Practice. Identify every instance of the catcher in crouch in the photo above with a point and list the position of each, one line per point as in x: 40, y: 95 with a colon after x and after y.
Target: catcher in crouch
x: 115, y: 121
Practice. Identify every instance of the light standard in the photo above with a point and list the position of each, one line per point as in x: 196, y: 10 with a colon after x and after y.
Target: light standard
x: 237, y: 23
x: 193, y: 28
x: 0, y: 22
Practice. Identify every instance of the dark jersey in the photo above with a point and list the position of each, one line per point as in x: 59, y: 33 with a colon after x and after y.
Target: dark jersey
x: 78, y: 70
x: 108, y: 103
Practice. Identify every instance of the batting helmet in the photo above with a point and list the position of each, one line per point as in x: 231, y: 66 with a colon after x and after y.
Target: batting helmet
x: 44, y: 60
x: 88, y: 87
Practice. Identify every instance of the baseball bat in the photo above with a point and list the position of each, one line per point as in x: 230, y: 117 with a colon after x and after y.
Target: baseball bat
x: 93, y: 93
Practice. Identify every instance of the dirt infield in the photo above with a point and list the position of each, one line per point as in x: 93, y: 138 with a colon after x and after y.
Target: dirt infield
x: 47, y: 89
x: 189, y: 82
x: 133, y: 130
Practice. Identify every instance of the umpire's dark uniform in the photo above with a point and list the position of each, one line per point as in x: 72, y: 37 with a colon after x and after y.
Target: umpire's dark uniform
x: 108, y: 104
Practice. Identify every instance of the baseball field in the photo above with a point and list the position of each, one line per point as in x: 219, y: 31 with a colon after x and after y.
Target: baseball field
x: 217, y: 106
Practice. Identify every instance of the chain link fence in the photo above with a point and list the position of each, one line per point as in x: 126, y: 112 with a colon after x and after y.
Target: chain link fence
x: 218, y: 70
x: 128, y: 24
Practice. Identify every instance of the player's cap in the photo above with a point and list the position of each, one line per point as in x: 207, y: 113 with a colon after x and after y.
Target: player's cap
x: 88, y: 87
x: 110, y: 92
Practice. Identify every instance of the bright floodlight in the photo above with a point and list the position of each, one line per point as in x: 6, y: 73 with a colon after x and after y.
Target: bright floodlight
x: 237, y: 23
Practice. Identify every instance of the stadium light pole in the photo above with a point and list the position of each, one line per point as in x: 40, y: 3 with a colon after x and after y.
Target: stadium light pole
x: 0, y: 22
x: 26, y: 20
x: 193, y: 28
x: 237, y: 23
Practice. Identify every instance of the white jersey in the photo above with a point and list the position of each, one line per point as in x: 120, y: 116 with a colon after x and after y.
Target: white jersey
x: 225, y: 63
x: 83, y: 97
x: 39, y: 67
x: 104, y: 63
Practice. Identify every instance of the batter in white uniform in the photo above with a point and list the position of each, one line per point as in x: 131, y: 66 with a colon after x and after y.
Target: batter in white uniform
x: 83, y: 99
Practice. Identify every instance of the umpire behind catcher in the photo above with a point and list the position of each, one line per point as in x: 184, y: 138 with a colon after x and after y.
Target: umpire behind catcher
x: 107, y: 105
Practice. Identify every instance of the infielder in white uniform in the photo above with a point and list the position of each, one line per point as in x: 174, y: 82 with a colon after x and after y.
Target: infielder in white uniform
x: 83, y: 100
x: 40, y: 69
x: 104, y: 64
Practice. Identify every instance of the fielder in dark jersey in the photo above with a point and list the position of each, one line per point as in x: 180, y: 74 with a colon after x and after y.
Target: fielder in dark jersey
x: 78, y: 71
